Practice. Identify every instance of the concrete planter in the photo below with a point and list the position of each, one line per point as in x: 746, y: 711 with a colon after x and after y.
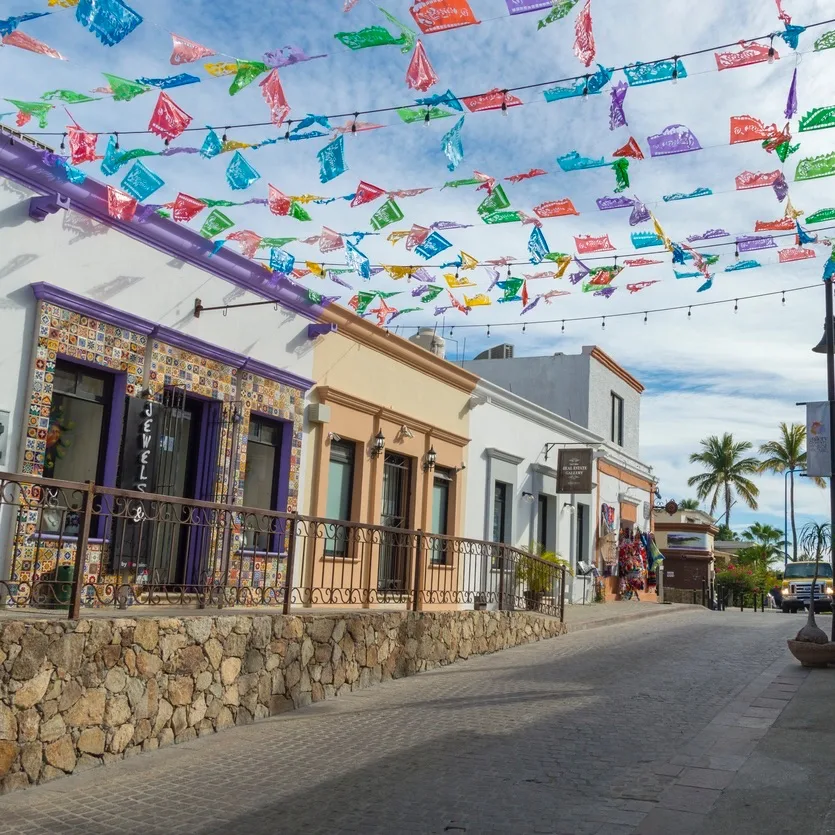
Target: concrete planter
x: 812, y: 655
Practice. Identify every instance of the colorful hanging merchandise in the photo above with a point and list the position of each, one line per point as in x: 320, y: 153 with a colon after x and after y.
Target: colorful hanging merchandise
x: 632, y: 566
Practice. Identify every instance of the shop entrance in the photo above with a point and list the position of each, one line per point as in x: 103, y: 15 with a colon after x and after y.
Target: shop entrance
x: 394, y: 549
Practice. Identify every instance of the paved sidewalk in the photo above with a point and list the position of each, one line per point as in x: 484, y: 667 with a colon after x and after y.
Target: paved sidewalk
x: 573, y: 736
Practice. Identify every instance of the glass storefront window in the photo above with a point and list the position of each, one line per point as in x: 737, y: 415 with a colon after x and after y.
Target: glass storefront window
x: 261, y: 480
x: 338, y: 504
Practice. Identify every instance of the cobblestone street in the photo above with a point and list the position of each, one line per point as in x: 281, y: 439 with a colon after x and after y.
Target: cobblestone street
x: 573, y: 735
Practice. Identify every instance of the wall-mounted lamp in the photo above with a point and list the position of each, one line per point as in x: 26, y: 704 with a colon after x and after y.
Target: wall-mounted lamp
x: 332, y: 436
x: 378, y: 445
x: 569, y: 507
x: 430, y: 459
x: 528, y: 497
x: 459, y: 468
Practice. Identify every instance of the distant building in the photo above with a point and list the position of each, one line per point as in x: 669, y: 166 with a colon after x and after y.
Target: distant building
x: 686, y: 539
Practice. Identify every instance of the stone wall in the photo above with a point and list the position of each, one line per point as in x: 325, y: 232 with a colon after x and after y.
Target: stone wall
x: 78, y: 694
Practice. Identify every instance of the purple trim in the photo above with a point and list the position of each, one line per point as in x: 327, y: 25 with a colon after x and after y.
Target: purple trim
x: 88, y: 307
x: 191, y: 343
x: 277, y: 375
x: 320, y: 330
x: 40, y: 207
x: 283, y: 475
x: 21, y: 162
x: 113, y: 443
x: 97, y: 310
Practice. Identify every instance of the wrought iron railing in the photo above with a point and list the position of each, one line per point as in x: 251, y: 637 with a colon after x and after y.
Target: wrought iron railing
x: 75, y: 545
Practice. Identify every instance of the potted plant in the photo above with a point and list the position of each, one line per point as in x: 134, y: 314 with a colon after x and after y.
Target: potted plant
x: 811, y: 647
x: 536, y: 575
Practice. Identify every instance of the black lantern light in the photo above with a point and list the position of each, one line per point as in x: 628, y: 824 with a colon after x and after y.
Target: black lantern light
x: 379, y: 444
x: 431, y: 458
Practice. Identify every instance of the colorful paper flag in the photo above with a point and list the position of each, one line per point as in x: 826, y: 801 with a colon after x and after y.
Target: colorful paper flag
x: 23, y: 41
x: 274, y: 96
x: 420, y: 75
x: 584, y: 47
x: 387, y: 214
x: 168, y: 120
x: 186, y: 208
x: 186, y: 52
x: 452, y: 145
x: 111, y: 21
x: 216, y: 223
x: 240, y: 174
x: 332, y: 160
x: 439, y: 15
x: 82, y: 145
x: 141, y: 183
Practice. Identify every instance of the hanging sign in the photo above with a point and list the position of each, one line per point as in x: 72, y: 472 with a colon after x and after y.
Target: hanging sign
x: 574, y: 471
x: 817, y: 439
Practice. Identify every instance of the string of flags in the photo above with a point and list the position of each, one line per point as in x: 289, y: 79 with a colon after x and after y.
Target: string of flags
x: 112, y: 21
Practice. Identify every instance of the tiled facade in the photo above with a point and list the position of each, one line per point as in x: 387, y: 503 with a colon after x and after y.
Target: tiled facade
x: 68, y: 334
x: 77, y: 337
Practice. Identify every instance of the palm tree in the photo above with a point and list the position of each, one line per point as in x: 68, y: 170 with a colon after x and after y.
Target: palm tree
x: 788, y: 454
x: 816, y: 539
x: 727, y: 471
x: 688, y: 504
x: 767, y: 545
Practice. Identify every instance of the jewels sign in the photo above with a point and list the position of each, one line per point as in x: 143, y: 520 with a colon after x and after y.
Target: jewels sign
x: 574, y: 471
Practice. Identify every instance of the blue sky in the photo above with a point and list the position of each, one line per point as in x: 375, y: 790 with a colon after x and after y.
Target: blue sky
x: 717, y: 371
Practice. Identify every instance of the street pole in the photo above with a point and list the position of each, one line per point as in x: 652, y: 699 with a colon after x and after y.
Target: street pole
x: 830, y: 386
x: 785, y: 519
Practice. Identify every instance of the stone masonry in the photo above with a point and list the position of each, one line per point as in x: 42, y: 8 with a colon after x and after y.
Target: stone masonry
x: 76, y: 694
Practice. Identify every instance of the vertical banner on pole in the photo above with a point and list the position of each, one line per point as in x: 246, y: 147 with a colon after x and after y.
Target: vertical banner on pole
x: 818, y: 439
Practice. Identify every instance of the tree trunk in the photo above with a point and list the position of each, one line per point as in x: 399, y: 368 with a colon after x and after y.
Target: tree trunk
x: 728, y: 504
x: 791, y: 506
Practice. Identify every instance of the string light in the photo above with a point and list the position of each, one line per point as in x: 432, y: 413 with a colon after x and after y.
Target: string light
x: 586, y: 90
x: 784, y: 298
x: 63, y: 138
x: 675, y: 69
x: 603, y: 323
x: 488, y: 330
x: 520, y: 88
x: 645, y: 313
x: 504, y: 102
x: 689, y: 312
x: 427, y: 117
x: 354, y: 124
x: 226, y: 129
x: 116, y: 137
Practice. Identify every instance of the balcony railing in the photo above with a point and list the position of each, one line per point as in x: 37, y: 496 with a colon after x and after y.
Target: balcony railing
x: 77, y: 546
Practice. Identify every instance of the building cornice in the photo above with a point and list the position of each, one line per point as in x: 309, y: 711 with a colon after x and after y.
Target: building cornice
x: 23, y: 162
x: 169, y: 336
x: 544, y: 469
x: 605, y: 360
x: 513, y: 403
x: 327, y: 394
x: 358, y: 330
x: 501, y: 455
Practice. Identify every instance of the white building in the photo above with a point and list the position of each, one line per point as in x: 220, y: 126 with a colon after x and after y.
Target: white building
x: 512, y: 479
x: 584, y: 399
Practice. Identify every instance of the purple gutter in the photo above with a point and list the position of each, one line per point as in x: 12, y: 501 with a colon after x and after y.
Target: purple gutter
x: 24, y: 164
x: 97, y: 310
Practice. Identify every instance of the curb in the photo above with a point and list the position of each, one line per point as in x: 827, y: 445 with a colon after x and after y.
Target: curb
x: 662, y: 610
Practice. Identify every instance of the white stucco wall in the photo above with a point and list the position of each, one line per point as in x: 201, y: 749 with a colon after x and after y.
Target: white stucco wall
x: 558, y: 383
x: 602, y: 384
x: 576, y: 386
x: 505, y: 428
x: 90, y: 259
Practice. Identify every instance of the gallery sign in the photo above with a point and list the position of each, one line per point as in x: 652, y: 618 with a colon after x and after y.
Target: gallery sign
x: 574, y: 471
